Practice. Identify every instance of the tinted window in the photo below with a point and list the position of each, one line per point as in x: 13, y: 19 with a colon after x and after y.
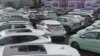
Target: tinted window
x: 19, y: 26
x: 20, y: 39
x: 24, y: 50
x: 17, y: 39
x: 91, y: 35
x: 3, y: 27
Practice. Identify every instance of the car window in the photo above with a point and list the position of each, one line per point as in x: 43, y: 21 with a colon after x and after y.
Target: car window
x: 24, y: 50
x: 19, y: 26
x: 17, y: 39
x: 91, y: 35
x: 3, y: 27
x: 20, y: 39
x: 5, y: 41
x: 41, y: 23
x: 61, y: 20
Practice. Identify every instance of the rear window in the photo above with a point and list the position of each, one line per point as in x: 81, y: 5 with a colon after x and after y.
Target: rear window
x: 21, y: 39
x: 24, y: 50
x: 19, y: 26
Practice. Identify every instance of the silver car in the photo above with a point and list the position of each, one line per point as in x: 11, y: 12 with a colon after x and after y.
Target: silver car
x: 53, y: 28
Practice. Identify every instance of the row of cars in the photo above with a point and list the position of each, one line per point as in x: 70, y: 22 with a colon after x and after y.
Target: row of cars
x: 19, y: 38
x: 88, y: 38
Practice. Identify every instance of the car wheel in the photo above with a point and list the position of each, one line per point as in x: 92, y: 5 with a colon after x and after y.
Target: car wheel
x: 75, y: 45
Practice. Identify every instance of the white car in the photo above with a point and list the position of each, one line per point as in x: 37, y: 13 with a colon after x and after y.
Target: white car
x: 15, y: 25
x: 17, y: 36
x: 52, y: 28
x: 38, y: 50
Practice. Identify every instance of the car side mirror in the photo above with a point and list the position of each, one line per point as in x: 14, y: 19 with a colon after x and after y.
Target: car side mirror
x: 82, y: 36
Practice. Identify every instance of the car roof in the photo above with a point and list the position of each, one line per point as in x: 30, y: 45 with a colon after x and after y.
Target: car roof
x: 52, y: 22
x: 14, y: 32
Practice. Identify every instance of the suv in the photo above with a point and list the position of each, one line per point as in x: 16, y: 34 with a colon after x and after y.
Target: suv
x: 14, y: 25
x: 38, y: 50
x: 12, y: 17
x: 16, y: 36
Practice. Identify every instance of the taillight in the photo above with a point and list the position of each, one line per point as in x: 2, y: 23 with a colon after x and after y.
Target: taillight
x: 48, y: 29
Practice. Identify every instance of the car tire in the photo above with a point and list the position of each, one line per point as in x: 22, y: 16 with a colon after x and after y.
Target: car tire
x: 75, y: 45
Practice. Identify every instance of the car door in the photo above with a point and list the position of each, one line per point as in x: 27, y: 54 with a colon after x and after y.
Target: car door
x: 89, y: 41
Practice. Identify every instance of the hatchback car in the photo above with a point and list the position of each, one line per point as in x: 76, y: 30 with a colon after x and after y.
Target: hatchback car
x: 17, y: 36
x: 52, y: 28
x: 38, y: 50
x: 87, y: 41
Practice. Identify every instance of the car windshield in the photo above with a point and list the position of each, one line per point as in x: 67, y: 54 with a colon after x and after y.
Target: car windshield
x: 18, y: 39
x: 24, y: 50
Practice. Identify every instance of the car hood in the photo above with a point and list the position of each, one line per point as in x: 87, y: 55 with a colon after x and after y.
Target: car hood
x: 55, y: 49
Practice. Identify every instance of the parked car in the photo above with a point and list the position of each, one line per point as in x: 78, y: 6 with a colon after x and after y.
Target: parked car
x: 87, y: 41
x: 14, y: 25
x: 38, y: 50
x: 89, y: 19
x: 16, y: 36
x: 52, y: 28
x: 70, y: 22
x: 13, y: 17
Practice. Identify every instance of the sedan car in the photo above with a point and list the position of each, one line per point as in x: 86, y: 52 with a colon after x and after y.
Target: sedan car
x: 70, y: 23
x: 52, y: 28
x: 88, y: 41
x: 88, y: 17
x: 16, y: 36
x: 38, y: 50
